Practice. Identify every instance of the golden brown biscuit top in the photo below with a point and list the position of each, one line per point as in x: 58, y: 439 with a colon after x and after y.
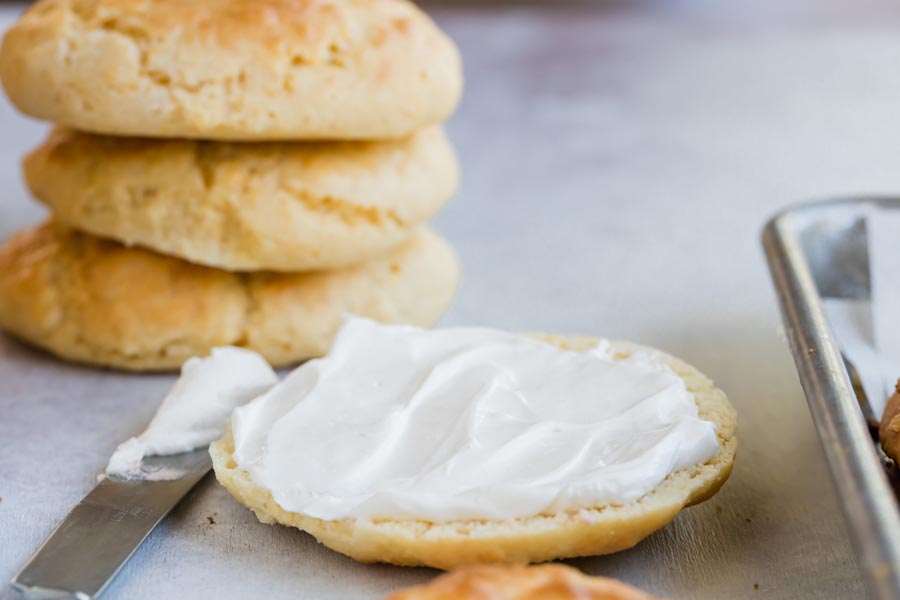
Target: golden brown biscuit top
x: 308, y: 31
x: 545, y: 582
x: 889, y: 432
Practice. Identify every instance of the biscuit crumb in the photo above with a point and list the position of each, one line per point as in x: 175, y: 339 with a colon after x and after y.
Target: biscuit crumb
x: 755, y: 586
x: 810, y: 350
x: 211, y: 520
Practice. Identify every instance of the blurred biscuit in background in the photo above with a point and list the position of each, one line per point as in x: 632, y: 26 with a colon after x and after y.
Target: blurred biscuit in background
x: 544, y: 582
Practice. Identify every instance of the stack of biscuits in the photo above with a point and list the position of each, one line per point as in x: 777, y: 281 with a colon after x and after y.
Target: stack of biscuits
x: 224, y: 172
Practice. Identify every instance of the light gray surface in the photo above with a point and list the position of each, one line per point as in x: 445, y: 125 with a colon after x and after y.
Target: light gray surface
x: 619, y: 159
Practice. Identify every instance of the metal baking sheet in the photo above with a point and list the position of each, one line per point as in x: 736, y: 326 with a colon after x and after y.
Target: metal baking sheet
x: 818, y: 251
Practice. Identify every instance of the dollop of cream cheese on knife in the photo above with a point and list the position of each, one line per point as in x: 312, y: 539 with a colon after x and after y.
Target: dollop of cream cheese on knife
x: 195, y: 410
x: 466, y: 423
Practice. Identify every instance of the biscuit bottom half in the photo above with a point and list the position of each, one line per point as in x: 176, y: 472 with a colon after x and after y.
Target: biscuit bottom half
x: 96, y: 301
x: 584, y: 531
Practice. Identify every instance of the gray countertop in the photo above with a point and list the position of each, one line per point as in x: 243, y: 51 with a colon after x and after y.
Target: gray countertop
x: 619, y: 160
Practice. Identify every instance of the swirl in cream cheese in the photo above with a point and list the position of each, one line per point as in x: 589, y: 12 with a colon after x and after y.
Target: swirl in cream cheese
x: 466, y: 423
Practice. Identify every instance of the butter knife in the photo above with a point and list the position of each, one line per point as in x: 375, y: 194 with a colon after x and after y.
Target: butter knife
x: 91, y: 544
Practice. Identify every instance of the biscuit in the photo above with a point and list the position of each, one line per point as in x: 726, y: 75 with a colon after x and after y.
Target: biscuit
x: 251, y: 206
x: 580, y: 532
x: 232, y: 69
x: 95, y: 301
x: 889, y: 430
x: 516, y: 582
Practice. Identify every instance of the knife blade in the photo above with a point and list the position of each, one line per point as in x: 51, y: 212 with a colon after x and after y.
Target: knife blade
x: 100, y: 534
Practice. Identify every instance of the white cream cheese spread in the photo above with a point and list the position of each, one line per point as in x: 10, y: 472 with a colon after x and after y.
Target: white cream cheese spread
x: 194, y: 412
x: 467, y: 423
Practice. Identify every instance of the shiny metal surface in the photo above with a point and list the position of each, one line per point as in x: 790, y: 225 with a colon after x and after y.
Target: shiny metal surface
x: 818, y: 250
x: 92, y: 543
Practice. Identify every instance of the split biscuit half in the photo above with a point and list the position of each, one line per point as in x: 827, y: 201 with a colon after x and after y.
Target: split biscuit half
x: 587, y: 531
